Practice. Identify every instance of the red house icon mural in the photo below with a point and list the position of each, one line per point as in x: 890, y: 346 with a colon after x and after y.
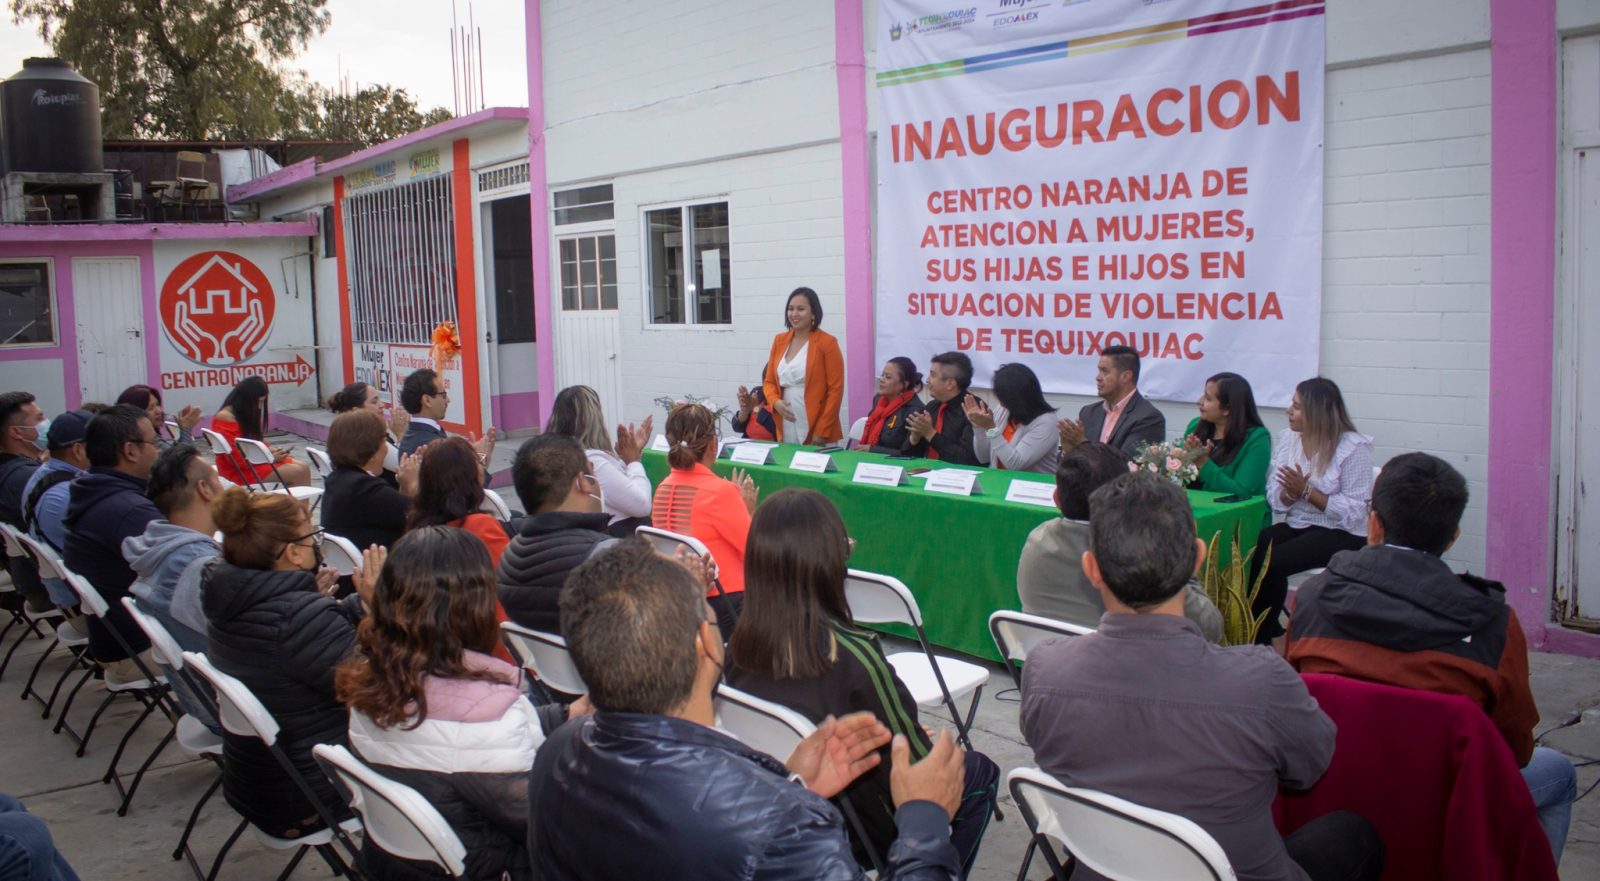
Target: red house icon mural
x: 217, y: 308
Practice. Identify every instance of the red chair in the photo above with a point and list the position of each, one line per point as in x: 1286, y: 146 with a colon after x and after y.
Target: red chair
x: 1433, y: 775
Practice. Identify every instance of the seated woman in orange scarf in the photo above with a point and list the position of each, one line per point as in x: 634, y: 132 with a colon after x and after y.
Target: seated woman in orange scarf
x: 244, y: 414
x: 897, y: 400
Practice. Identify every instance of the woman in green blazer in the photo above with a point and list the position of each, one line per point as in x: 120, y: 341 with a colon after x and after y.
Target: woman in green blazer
x: 1236, y: 449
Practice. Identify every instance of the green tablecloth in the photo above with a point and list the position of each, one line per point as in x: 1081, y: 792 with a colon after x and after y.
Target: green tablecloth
x: 957, y: 554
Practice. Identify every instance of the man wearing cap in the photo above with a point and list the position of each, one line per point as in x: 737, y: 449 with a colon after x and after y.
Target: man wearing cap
x: 44, y: 499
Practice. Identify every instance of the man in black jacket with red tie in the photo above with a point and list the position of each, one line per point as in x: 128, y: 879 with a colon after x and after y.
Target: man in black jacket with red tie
x: 942, y: 431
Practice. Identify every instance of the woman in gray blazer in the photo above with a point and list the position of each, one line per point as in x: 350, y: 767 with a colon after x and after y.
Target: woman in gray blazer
x: 1019, y: 434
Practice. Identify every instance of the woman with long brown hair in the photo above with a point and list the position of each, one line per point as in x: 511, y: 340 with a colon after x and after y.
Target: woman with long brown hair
x: 1320, y: 481
x: 244, y: 414
x: 693, y: 500
x: 432, y: 709
x: 272, y: 624
x: 450, y: 493
x: 795, y: 645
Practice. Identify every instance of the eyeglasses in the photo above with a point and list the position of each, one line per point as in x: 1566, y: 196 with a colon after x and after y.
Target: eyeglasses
x: 316, y: 537
x: 441, y: 393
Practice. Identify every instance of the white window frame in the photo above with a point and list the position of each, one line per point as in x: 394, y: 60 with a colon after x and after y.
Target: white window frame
x: 646, y: 295
x: 55, y: 304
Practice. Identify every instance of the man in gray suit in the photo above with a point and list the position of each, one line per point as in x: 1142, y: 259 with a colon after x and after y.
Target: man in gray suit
x: 1122, y: 418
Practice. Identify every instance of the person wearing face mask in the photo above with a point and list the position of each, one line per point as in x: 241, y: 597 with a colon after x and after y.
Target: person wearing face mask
x: 271, y: 623
x: 21, y: 451
x: 357, y: 503
x: 566, y: 524
x: 804, y: 381
x: 105, y: 506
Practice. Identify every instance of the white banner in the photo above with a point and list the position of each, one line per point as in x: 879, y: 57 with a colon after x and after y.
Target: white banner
x: 1060, y: 177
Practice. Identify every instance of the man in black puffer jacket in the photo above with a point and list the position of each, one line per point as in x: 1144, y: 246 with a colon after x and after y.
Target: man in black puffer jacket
x: 104, y: 507
x: 564, y: 526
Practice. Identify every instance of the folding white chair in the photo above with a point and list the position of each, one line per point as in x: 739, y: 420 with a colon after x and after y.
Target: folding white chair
x: 30, y: 623
x: 668, y: 542
x: 495, y: 505
x: 340, y: 553
x: 257, y: 453
x: 171, y: 429
x: 858, y: 429
x: 65, y: 633
x: 931, y: 679
x: 1016, y: 633
x: 395, y: 817
x: 776, y: 730
x: 221, y: 449
x: 1118, y: 839
x: 321, y: 465
x: 190, y: 730
x: 544, y: 656
x: 243, y: 714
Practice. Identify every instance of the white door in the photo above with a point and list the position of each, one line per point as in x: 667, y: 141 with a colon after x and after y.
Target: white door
x: 588, y: 325
x: 110, y: 320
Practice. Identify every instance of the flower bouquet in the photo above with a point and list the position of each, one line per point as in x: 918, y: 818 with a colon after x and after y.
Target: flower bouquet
x: 1169, y: 460
x: 446, y: 345
x: 718, y: 412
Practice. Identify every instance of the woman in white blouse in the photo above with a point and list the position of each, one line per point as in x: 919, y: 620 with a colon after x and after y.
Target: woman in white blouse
x: 1321, y: 482
x: 1020, y: 434
x: 625, y: 491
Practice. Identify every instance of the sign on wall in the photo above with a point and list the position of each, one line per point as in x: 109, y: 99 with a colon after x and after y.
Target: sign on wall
x: 1055, y: 179
x: 385, y: 367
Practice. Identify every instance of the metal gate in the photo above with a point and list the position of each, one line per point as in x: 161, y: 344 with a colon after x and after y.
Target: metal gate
x: 400, y: 243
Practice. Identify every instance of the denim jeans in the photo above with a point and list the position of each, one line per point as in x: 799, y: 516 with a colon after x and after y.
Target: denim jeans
x: 1553, y: 781
x: 1341, y: 846
x: 26, y: 851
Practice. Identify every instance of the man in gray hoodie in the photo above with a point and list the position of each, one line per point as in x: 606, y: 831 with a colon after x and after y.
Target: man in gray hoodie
x: 168, y: 556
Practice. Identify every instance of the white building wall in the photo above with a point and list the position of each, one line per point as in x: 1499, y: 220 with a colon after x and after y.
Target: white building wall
x: 679, y: 101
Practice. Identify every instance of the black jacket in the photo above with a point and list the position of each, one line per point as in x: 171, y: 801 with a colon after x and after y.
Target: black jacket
x: 279, y: 636
x: 624, y: 796
x: 953, y: 441
x: 535, y: 566
x: 363, y: 508
x: 14, y: 473
x: 104, y: 507
x: 417, y: 436
x: 1140, y: 424
x: 895, y: 436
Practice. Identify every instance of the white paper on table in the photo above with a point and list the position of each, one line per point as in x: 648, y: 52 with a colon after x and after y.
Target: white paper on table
x: 881, y: 475
x: 818, y: 463
x: 1032, y: 492
x: 954, y: 481
x: 710, y: 269
x: 752, y: 454
x: 660, y: 444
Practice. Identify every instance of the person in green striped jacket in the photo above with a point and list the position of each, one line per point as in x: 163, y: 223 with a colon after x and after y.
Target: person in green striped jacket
x: 795, y: 645
x: 1235, y: 446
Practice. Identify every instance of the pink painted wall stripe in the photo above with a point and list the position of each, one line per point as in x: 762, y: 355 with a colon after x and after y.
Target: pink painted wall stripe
x: 850, y: 73
x: 538, y: 186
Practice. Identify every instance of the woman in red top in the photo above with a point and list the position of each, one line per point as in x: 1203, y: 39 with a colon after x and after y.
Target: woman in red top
x: 449, y: 493
x: 244, y: 414
x: 693, y: 500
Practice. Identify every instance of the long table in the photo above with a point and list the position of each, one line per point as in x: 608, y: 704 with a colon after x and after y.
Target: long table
x: 957, y: 554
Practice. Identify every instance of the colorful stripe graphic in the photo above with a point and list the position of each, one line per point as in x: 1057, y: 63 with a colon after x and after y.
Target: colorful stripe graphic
x: 1217, y: 23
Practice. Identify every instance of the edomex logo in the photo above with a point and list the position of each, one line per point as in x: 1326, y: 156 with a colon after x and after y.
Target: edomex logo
x: 217, y: 308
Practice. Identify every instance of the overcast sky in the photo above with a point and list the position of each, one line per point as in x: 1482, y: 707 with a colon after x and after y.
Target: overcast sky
x: 405, y: 43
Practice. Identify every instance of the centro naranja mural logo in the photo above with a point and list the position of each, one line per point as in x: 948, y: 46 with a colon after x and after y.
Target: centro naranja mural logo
x: 217, y: 308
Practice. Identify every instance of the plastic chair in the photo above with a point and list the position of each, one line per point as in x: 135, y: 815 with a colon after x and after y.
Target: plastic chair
x: 243, y: 714
x: 776, y: 730
x: 668, y: 542
x: 931, y: 679
x: 1118, y: 839
x: 192, y: 734
x: 221, y: 449
x: 858, y: 429
x: 257, y: 453
x: 171, y: 429
x: 495, y: 505
x: 1016, y: 633
x: 544, y: 656
x: 30, y: 623
x: 340, y: 553
x: 321, y: 465
x: 396, y: 817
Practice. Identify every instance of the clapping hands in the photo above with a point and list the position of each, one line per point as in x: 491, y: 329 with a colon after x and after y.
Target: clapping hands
x: 978, y: 412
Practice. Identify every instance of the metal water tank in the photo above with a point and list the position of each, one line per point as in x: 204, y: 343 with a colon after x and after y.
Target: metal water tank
x: 50, y: 120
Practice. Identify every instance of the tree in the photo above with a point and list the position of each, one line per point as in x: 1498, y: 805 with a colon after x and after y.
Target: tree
x: 207, y: 69
x: 372, y: 115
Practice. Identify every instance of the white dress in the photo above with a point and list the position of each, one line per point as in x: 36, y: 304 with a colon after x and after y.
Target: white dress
x: 792, y: 379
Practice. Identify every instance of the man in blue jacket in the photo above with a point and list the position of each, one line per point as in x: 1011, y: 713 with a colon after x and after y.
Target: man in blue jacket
x: 105, y: 506
x: 647, y: 788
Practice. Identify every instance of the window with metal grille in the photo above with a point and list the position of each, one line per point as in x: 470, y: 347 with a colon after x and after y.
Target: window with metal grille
x: 497, y: 178
x: 400, y: 244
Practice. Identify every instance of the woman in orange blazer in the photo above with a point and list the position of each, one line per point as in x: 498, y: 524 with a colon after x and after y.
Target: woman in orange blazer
x: 804, y: 382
